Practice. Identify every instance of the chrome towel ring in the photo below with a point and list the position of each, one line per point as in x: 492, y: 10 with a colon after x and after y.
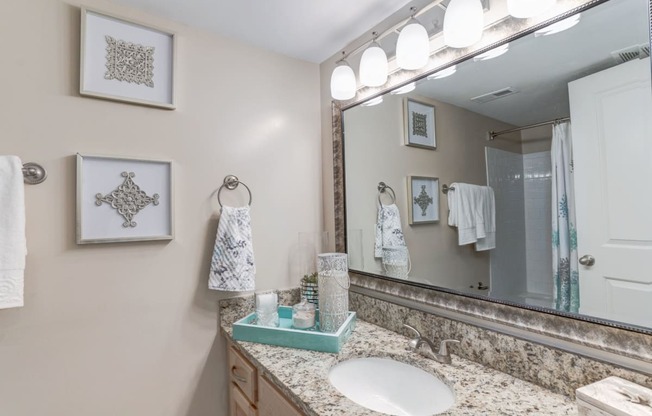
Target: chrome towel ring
x: 231, y: 182
x: 382, y: 188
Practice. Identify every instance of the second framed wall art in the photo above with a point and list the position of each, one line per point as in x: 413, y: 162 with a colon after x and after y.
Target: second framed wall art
x: 423, y: 200
x: 122, y: 199
x: 126, y: 61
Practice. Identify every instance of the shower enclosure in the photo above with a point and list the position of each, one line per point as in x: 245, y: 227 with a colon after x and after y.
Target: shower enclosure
x: 521, y: 263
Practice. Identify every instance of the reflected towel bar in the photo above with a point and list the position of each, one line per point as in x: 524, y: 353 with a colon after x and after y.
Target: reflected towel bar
x: 445, y: 188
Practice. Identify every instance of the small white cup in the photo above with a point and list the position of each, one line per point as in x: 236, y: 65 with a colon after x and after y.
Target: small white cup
x: 267, y: 308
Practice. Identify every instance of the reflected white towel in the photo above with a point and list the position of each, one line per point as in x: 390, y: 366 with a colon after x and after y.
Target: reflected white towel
x: 472, y: 211
x: 388, y: 229
x: 13, y: 244
x: 232, y: 266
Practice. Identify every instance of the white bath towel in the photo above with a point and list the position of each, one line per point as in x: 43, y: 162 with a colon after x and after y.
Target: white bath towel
x: 13, y: 244
x: 472, y: 211
x: 388, y: 229
x: 232, y: 266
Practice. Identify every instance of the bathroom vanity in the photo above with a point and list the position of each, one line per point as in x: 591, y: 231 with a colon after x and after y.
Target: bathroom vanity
x: 282, y: 381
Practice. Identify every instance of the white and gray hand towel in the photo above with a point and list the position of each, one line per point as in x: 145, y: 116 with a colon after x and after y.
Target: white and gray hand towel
x: 13, y: 244
x: 472, y: 211
x: 232, y: 266
x: 388, y: 229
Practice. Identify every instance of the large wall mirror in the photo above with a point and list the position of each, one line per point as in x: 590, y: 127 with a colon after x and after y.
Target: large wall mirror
x: 544, y: 146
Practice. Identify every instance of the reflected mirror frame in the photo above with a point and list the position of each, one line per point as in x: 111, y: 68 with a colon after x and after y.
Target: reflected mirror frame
x: 339, y: 177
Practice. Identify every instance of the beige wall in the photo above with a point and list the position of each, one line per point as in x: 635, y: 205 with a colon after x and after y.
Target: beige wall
x: 375, y: 152
x: 131, y: 329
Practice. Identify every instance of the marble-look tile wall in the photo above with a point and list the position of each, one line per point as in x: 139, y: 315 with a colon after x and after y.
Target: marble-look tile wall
x: 559, y: 371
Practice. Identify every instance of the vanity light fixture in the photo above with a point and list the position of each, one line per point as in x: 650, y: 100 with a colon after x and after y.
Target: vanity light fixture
x: 494, y: 53
x: 559, y: 26
x: 413, y: 45
x: 343, y: 85
x: 524, y: 9
x: 443, y: 73
x: 404, y: 89
x: 373, y: 65
x: 373, y: 101
x: 463, y: 23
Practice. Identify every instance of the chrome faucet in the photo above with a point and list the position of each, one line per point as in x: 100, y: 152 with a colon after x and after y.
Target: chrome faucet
x: 416, y: 344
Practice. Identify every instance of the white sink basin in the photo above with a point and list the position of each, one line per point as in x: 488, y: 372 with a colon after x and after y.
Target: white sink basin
x: 391, y: 387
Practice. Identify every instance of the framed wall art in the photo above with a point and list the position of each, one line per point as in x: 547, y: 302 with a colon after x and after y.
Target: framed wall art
x: 122, y: 199
x: 419, y: 123
x: 423, y: 200
x: 126, y: 61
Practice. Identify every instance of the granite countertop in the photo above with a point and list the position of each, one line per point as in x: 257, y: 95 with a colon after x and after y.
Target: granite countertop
x: 303, y: 375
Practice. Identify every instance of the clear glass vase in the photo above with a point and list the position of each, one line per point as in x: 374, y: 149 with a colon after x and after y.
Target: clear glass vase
x: 333, y: 282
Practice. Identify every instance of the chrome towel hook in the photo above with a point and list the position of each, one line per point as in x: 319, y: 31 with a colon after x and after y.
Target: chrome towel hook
x: 231, y: 182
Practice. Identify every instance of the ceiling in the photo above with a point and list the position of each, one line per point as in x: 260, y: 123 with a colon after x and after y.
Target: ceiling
x: 540, y: 68
x: 308, y: 30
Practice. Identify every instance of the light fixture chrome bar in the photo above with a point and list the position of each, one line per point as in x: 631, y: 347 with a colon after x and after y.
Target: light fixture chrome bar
x: 394, y: 28
x: 494, y: 134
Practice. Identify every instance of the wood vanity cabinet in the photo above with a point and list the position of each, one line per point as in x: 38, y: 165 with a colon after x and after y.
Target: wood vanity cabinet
x: 251, y: 394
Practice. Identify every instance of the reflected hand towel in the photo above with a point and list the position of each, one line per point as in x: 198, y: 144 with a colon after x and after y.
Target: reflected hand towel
x: 232, y: 266
x: 388, y: 229
x: 13, y: 244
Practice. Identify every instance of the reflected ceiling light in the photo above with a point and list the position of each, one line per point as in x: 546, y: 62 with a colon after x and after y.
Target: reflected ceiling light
x: 523, y: 9
x: 413, y: 45
x: 559, y: 26
x: 443, y: 73
x: 343, y: 84
x: 494, y: 53
x: 373, y: 101
x: 404, y: 89
x: 373, y: 65
x: 463, y: 23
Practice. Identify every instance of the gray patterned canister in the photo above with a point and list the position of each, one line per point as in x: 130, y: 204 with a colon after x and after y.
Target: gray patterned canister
x: 333, y: 281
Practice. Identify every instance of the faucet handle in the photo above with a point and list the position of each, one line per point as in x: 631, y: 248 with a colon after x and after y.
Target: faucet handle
x: 443, y: 347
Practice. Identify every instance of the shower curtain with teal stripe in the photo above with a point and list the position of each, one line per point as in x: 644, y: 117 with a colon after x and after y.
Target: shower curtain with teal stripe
x: 564, y: 234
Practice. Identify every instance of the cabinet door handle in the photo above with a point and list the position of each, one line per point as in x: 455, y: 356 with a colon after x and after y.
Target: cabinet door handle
x: 236, y: 376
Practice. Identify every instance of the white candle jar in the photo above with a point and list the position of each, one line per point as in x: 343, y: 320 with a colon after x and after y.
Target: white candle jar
x: 333, y: 282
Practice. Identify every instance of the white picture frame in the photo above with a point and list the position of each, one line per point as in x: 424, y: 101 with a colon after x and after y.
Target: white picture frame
x: 114, y: 207
x: 423, y: 200
x: 419, y: 124
x: 108, y: 39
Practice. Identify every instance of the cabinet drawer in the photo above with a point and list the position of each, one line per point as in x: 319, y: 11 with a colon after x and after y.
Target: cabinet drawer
x: 243, y: 374
x: 239, y: 405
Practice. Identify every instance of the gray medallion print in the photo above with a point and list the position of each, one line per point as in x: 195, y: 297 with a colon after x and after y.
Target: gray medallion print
x: 423, y: 200
x: 129, y: 62
x: 128, y: 199
x: 419, y: 124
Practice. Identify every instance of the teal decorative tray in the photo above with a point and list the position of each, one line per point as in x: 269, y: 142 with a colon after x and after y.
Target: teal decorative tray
x: 285, y: 336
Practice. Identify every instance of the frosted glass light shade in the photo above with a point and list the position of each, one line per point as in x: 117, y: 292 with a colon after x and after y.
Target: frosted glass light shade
x: 463, y: 23
x: 559, y: 26
x: 523, y: 9
x: 343, y: 82
x: 413, y: 46
x: 404, y: 89
x: 373, y: 66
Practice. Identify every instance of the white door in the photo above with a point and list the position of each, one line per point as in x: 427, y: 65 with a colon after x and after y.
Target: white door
x: 611, y: 116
